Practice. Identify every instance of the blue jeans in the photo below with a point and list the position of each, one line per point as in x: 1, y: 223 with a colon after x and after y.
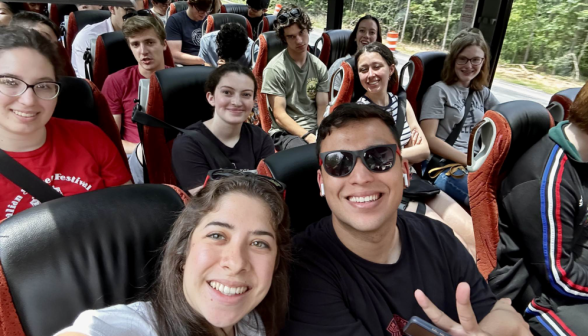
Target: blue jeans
x: 456, y: 188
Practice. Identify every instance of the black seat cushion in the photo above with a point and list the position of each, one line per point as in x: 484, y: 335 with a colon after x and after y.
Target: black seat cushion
x: 86, y: 251
x: 339, y: 39
x: 118, y: 53
x: 236, y: 9
x: 63, y: 10
x: 181, y: 6
x: 358, y: 90
x: 270, y: 21
x: 274, y: 44
x: 433, y: 64
x: 529, y: 122
x: 297, y: 168
x: 84, y: 18
x: 222, y: 18
x: 184, y: 99
x: 76, y: 101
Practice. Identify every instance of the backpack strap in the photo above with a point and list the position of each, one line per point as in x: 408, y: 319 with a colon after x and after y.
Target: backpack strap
x: 25, y: 179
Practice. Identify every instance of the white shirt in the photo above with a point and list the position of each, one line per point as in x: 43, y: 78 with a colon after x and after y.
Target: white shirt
x: 137, y: 319
x: 83, y: 41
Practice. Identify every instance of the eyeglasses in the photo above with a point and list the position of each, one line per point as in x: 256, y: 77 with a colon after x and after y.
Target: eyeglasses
x: 377, y: 159
x: 218, y: 174
x: 204, y: 11
x: 293, y: 14
x: 15, y: 87
x: 140, y: 12
x: 462, y: 60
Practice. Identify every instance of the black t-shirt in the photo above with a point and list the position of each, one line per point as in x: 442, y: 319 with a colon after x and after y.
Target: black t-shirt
x: 180, y: 27
x: 335, y: 292
x: 254, y: 24
x: 191, y: 162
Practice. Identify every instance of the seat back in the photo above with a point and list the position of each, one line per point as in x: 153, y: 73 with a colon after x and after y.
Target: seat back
x: 506, y: 134
x: 560, y: 103
x: 113, y: 54
x: 214, y: 22
x: 86, y: 251
x: 178, y: 6
x: 80, y: 99
x: 334, y: 45
x: 424, y: 70
x: 269, y: 46
x: 67, y: 68
x: 58, y: 11
x: 297, y: 168
x: 176, y: 96
x: 78, y: 20
x: 267, y: 24
x: 235, y: 9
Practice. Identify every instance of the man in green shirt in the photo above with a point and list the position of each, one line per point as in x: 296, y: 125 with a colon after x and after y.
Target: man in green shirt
x: 296, y: 83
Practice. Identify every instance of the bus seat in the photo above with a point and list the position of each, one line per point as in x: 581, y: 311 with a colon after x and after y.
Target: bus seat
x: 297, y: 168
x: 214, y: 22
x: 178, y: 6
x: 505, y: 133
x: 58, y: 11
x: 560, y: 104
x: 424, y: 70
x: 176, y: 96
x: 334, y: 45
x: 351, y: 89
x: 267, y: 24
x: 269, y: 46
x: 86, y: 251
x: 240, y: 9
x: 78, y: 20
x: 80, y: 99
x: 67, y: 68
x: 113, y: 54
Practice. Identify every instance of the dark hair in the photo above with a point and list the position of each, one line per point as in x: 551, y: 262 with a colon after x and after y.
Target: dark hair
x: 303, y: 21
x: 232, y: 42
x: 387, y: 55
x: 218, y: 73
x: 464, y: 39
x: 203, y: 5
x: 18, y: 37
x: 578, y: 114
x: 352, y: 44
x: 159, y: 1
x: 138, y: 24
x: 173, y: 314
x: 31, y: 19
x: 15, y: 7
x: 347, y: 113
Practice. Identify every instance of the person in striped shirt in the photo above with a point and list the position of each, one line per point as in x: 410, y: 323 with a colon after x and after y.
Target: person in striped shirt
x: 542, y: 256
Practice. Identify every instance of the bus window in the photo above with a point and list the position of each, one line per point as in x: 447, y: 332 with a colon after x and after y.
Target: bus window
x: 545, y: 50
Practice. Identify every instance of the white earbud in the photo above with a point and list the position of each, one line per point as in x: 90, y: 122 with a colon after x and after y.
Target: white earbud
x: 322, y: 189
x: 405, y: 178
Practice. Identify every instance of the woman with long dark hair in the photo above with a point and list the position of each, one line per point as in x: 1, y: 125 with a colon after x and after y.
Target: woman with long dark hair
x: 224, y: 270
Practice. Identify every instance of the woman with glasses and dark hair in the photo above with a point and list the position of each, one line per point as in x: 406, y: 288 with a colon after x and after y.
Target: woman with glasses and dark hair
x: 463, y: 84
x: 71, y: 156
x: 367, y: 30
x: 184, y: 31
x: 224, y: 269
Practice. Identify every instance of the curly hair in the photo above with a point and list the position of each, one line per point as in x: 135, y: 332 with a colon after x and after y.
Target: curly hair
x: 303, y: 21
x: 232, y: 42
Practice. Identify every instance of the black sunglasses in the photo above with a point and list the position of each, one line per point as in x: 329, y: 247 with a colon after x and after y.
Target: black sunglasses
x: 293, y: 14
x: 140, y: 12
x: 218, y: 174
x: 377, y: 159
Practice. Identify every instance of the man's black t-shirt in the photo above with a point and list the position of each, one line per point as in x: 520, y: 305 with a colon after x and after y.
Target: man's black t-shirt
x: 180, y: 27
x: 335, y: 292
x: 191, y: 162
x: 255, y: 24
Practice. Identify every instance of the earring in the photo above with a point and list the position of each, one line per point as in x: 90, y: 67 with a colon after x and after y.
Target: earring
x: 322, y: 189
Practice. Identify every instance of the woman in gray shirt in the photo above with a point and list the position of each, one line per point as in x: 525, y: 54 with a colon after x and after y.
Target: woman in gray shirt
x: 466, y: 68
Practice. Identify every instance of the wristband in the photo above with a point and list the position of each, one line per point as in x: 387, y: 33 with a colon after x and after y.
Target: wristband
x: 305, y: 135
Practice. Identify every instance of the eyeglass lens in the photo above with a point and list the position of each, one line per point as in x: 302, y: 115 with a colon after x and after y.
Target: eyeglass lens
x: 15, y: 87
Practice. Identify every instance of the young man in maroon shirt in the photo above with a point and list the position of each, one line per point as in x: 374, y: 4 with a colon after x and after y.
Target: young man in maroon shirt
x: 146, y: 38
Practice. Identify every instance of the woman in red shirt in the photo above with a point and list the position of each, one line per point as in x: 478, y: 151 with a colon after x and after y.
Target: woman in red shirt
x: 71, y: 156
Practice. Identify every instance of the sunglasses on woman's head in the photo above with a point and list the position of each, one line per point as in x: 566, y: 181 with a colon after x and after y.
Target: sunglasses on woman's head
x: 218, y: 174
x: 140, y: 12
x: 293, y: 14
x: 377, y: 159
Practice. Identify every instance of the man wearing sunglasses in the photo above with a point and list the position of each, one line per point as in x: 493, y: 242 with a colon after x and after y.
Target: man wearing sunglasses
x: 184, y: 31
x: 296, y: 83
x: 84, y: 38
x: 370, y: 267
